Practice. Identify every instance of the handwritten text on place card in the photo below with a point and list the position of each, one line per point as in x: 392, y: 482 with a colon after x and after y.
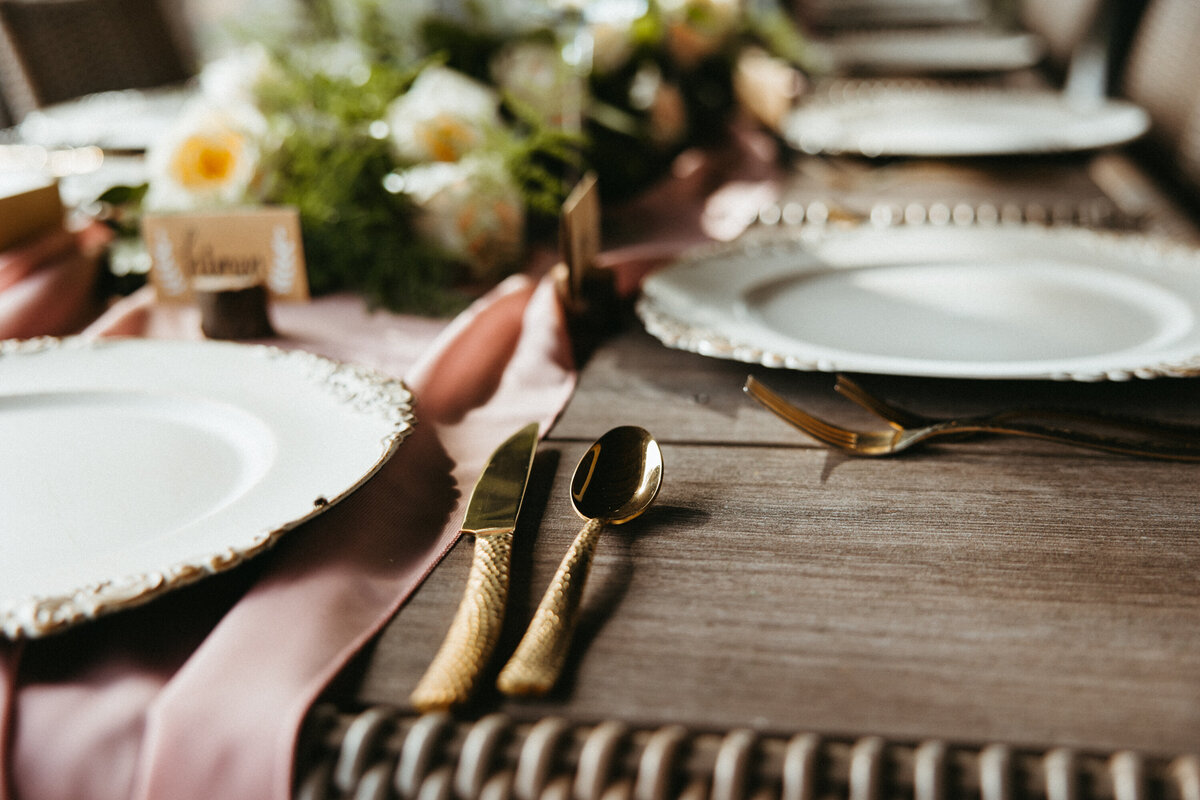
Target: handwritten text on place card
x: 254, y: 245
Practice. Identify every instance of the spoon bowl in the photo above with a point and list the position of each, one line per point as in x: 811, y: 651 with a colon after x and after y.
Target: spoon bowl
x: 618, y: 477
x: 615, y: 481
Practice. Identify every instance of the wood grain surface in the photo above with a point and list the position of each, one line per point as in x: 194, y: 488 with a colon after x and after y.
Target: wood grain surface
x: 989, y: 590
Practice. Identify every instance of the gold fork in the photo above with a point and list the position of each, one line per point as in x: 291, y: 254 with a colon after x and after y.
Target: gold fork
x: 900, y: 438
x: 900, y: 418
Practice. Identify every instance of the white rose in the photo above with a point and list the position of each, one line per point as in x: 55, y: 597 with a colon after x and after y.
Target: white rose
x: 612, y: 44
x: 535, y: 74
x: 442, y: 116
x: 231, y: 79
x: 472, y: 209
x: 209, y: 158
x: 609, y: 24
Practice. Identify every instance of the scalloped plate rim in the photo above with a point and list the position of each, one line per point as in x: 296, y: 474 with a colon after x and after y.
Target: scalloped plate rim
x: 668, y: 313
x: 373, y: 403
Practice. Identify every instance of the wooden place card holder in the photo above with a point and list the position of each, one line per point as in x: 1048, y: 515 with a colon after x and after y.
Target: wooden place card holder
x: 229, y: 263
x: 588, y: 292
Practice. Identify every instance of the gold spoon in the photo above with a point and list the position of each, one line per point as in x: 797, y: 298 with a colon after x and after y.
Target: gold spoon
x: 615, y: 481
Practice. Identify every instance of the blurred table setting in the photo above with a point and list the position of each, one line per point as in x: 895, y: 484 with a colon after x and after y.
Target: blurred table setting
x: 291, y: 299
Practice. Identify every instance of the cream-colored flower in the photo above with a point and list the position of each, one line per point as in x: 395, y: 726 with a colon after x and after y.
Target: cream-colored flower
x: 609, y: 24
x: 536, y: 74
x: 209, y: 158
x: 697, y: 29
x: 231, y: 79
x: 612, y: 44
x: 442, y: 116
x: 472, y: 209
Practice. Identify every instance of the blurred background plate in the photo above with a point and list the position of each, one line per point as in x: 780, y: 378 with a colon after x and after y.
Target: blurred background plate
x: 874, y: 119
x: 128, y: 120
x: 922, y: 51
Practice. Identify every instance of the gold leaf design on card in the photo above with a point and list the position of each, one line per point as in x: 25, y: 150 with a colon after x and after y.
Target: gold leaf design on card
x: 170, y: 279
x: 282, y: 275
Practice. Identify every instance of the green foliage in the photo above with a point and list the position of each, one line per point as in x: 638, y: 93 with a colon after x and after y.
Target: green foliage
x: 357, y: 235
x: 326, y: 96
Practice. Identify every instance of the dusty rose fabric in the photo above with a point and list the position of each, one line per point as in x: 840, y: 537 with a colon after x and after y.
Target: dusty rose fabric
x: 47, y: 286
x: 202, y: 694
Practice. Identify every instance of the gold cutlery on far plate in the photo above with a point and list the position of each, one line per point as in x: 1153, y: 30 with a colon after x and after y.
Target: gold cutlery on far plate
x: 900, y: 437
x: 900, y: 418
x: 491, y: 517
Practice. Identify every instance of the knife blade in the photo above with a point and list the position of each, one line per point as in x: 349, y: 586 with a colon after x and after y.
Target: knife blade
x: 491, y: 518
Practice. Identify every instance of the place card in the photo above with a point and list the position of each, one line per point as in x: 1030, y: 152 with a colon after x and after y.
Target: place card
x: 27, y: 211
x: 588, y: 291
x: 579, y: 233
x: 243, y: 246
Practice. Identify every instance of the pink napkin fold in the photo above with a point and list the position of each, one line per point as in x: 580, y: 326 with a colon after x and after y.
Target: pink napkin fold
x: 47, y: 285
x: 201, y: 693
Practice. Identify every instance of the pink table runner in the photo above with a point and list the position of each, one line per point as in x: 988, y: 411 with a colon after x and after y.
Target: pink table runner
x: 201, y: 693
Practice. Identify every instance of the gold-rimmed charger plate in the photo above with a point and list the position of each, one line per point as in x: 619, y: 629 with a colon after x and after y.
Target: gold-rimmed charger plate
x: 135, y: 466
x: 977, y: 301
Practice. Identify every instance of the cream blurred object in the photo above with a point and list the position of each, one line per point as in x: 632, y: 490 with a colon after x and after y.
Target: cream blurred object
x: 48, y: 270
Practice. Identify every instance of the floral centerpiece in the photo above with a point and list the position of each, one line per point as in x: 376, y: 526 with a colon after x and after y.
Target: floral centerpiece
x: 425, y: 144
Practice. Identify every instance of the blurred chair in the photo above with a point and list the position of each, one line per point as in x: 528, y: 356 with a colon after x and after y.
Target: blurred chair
x: 56, y: 50
x: 1082, y: 35
x: 1163, y: 76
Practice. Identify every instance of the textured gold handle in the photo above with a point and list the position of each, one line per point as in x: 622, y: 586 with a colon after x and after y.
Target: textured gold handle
x: 474, y: 631
x: 534, y: 667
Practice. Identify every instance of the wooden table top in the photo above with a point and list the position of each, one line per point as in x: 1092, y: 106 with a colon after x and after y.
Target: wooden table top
x: 986, y: 593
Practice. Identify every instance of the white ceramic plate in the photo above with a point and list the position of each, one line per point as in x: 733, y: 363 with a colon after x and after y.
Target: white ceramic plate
x: 965, y: 302
x: 923, y: 51
x: 134, y: 466
x: 130, y: 119
x: 888, y: 119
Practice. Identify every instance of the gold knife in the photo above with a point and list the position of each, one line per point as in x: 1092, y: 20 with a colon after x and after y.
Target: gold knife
x: 491, y: 517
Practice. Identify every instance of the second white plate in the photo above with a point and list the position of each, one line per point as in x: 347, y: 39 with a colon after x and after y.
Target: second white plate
x: 892, y: 119
x: 970, y: 302
x: 921, y: 51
